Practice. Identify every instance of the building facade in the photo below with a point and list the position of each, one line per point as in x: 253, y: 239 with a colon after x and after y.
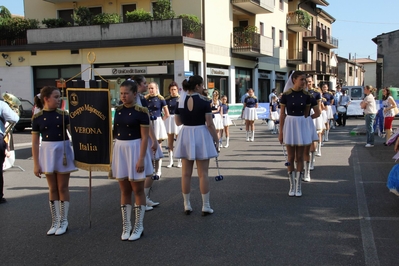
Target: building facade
x: 242, y: 44
x: 370, y: 71
x: 350, y: 72
x: 387, y: 59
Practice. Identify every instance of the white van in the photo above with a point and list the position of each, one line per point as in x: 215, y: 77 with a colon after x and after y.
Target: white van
x: 356, y: 94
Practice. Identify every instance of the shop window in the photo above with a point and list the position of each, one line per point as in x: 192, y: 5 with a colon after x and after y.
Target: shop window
x: 243, y: 82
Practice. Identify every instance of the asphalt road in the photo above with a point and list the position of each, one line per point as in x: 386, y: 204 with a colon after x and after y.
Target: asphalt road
x: 346, y: 215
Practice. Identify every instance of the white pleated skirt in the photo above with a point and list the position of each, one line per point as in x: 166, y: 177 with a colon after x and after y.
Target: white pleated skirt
x: 226, y: 120
x: 295, y: 131
x: 124, y: 159
x: 330, y: 114
x: 324, y: 117
x: 218, y: 121
x: 170, y: 125
x: 159, y: 129
x: 195, y: 143
x: 51, y: 154
x: 311, y: 129
x: 319, y: 124
x: 274, y: 116
x: 250, y: 114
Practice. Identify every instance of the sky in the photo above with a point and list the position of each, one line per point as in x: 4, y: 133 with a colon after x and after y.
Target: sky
x: 357, y: 22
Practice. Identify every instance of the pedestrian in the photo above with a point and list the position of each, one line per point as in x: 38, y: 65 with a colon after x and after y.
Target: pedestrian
x: 343, y: 102
x: 6, y: 115
x: 226, y: 121
x: 217, y: 113
x: 197, y: 140
x: 295, y: 107
x: 370, y: 110
x: 273, y: 93
x: 171, y: 128
x: 250, y: 115
x: 274, y: 116
x: 329, y: 101
x: 153, y: 149
x: 130, y: 158
x: 389, y: 105
x: 54, y: 157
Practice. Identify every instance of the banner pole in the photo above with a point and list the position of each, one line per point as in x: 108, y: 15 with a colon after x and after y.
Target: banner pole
x: 89, y: 198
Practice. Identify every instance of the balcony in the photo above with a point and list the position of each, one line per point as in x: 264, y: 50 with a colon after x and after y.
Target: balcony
x: 332, y: 70
x: 320, y: 37
x: 298, y: 22
x: 252, y: 44
x: 62, y: 1
x: 113, y: 35
x: 255, y: 6
x: 298, y: 57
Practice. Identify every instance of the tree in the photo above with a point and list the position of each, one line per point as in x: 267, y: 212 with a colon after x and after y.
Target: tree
x: 4, y: 12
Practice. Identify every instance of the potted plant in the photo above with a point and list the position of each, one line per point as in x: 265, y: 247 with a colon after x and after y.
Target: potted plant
x: 106, y: 18
x: 191, y: 24
x: 304, y: 18
x: 55, y: 23
x: 138, y: 15
x: 163, y: 10
x: 82, y: 16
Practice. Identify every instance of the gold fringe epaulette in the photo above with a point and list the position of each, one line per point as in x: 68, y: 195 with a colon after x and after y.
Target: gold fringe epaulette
x: 204, y: 97
x: 37, y: 114
x: 160, y: 97
x: 306, y: 92
x: 141, y: 109
x: 119, y: 107
x: 168, y: 97
x: 147, y: 96
x: 288, y: 92
x: 62, y: 112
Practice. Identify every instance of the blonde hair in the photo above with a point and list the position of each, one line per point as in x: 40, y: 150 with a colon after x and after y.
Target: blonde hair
x: 371, y: 89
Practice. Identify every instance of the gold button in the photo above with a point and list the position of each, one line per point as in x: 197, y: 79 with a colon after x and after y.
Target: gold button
x: 45, y: 127
x: 59, y: 135
x: 127, y: 125
x: 57, y: 117
x: 130, y: 134
x: 119, y: 113
x: 45, y: 119
x: 130, y: 113
x: 117, y: 125
x: 46, y: 136
x: 58, y: 125
x: 119, y: 134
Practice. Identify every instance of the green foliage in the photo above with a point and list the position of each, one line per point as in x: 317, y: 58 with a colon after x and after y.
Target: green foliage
x: 16, y: 27
x: 304, y: 18
x: 4, y: 13
x: 243, y: 36
x: 82, y: 16
x: 106, y: 18
x: 191, y: 23
x: 163, y: 10
x: 55, y: 23
x: 138, y: 15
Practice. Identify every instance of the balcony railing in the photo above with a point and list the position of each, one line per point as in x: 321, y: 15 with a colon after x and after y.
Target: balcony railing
x: 298, y: 23
x: 252, y: 44
x: 113, y: 35
x: 319, y: 36
x: 255, y: 6
x: 297, y: 57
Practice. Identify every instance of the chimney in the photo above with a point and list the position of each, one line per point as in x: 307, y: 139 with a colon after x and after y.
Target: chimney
x: 349, y: 56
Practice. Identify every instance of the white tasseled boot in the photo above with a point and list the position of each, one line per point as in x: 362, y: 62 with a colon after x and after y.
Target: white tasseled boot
x: 55, y: 216
x: 227, y: 142
x: 158, y: 166
x: 126, y: 223
x: 170, y: 159
x: 64, y: 208
x: 148, y: 201
x: 138, y: 229
x: 312, y: 160
x: 318, y: 154
x: 206, y: 207
x: 291, y: 178
x: 307, y: 172
x: 326, y: 135
x: 248, y: 135
x: 252, y: 135
x: 179, y: 164
x: 298, y: 190
x: 187, y: 204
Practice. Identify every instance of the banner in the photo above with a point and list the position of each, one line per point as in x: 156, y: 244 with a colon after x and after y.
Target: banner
x: 90, y: 123
x: 235, y: 110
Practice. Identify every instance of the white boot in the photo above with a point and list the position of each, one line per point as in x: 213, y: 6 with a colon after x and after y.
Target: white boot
x: 248, y: 135
x: 179, y: 165
x: 64, y: 208
x: 307, y: 172
x: 126, y: 223
x: 227, y: 142
x: 206, y: 207
x: 298, y: 191
x: 318, y: 154
x: 55, y: 216
x: 187, y: 204
x: 220, y: 142
x: 252, y: 135
x: 158, y: 166
x: 312, y: 160
x: 138, y: 229
x: 326, y: 135
x: 148, y: 201
x: 291, y: 178
x: 170, y: 159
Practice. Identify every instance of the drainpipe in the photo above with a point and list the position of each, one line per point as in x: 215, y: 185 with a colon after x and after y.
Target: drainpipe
x: 204, y: 49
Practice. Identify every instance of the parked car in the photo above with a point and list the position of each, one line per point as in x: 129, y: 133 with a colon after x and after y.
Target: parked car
x: 25, y: 119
